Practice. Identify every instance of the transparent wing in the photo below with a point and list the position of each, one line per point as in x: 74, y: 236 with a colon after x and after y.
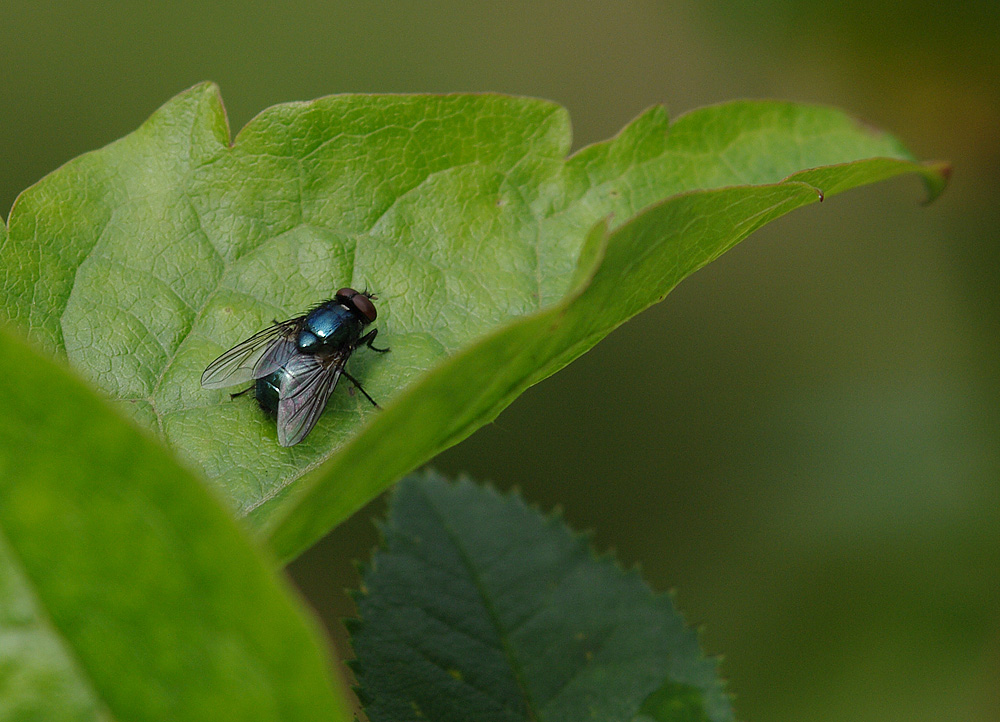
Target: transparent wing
x: 306, y: 386
x: 261, y: 354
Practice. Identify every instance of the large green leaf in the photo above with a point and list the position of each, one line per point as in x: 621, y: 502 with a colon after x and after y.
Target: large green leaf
x: 492, y: 254
x: 126, y: 591
x: 479, y: 608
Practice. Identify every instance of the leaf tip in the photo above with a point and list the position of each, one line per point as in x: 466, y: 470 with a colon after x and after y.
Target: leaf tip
x: 936, y: 179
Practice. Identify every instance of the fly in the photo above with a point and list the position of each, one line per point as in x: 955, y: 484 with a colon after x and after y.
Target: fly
x: 295, y: 364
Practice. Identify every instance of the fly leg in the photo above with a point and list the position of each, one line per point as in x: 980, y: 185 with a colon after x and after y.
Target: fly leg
x: 359, y: 387
x: 367, y: 339
x: 240, y: 393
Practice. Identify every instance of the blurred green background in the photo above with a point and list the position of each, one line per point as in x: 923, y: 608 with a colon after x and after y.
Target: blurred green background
x: 802, y: 440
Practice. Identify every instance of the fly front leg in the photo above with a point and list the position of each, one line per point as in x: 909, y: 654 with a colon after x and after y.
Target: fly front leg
x: 367, y: 339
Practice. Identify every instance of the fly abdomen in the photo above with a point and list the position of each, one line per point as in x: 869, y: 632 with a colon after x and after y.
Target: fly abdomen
x: 266, y: 391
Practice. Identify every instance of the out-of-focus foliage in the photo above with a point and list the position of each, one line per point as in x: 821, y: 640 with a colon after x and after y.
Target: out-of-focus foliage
x: 126, y: 590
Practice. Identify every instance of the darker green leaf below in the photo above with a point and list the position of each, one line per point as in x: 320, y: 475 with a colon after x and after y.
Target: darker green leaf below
x: 477, y: 607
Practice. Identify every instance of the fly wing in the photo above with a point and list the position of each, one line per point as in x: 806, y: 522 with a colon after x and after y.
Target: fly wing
x: 261, y: 354
x: 306, y: 386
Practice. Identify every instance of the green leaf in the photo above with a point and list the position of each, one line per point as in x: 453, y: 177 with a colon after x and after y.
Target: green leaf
x: 479, y: 608
x: 496, y: 260
x: 126, y: 591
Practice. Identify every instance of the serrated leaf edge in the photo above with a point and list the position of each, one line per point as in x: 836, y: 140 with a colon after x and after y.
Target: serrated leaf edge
x: 552, y: 519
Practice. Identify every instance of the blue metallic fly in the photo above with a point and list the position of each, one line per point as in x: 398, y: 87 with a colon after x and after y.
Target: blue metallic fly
x: 295, y: 364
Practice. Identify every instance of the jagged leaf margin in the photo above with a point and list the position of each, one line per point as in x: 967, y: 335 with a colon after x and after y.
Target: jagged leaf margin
x: 477, y: 607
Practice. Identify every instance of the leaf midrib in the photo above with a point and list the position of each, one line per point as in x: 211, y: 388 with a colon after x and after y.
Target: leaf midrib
x: 494, y: 618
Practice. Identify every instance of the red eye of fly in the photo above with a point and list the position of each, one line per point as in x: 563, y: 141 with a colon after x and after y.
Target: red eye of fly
x: 359, y: 301
x: 364, y: 306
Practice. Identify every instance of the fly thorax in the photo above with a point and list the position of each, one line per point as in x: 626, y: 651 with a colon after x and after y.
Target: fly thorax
x: 328, y: 329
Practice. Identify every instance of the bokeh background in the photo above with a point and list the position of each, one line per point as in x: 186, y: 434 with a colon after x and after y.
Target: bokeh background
x: 802, y: 439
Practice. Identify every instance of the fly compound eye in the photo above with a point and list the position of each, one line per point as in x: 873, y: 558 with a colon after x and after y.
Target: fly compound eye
x: 364, y: 306
x: 360, y: 302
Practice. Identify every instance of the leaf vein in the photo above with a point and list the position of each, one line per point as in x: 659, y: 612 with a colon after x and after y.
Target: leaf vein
x: 492, y: 614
